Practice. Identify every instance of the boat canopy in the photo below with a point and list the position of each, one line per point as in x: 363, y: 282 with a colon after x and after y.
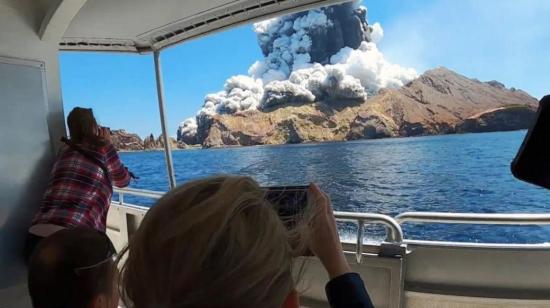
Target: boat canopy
x: 106, y: 25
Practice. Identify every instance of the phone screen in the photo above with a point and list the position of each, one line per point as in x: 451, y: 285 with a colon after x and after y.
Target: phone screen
x: 532, y: 163
x: 289, y: 201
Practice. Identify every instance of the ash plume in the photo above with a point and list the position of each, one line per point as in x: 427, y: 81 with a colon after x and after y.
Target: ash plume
x: 328, y: 53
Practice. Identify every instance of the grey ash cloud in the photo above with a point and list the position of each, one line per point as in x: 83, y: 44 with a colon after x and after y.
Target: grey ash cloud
x: 328, y: 53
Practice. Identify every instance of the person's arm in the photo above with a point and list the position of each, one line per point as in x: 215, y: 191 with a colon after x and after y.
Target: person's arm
x: 348, y: 290
x: 345, y: 288
x: 120, y: 177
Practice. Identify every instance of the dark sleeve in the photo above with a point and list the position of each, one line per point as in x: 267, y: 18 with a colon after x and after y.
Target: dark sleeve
x: 348, y: 291
x: 119, y: 174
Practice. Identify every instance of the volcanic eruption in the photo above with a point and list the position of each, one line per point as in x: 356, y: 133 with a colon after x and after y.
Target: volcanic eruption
x: 324, y: 54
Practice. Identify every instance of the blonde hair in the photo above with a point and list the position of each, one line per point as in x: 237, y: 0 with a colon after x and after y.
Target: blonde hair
x: 214, y: 242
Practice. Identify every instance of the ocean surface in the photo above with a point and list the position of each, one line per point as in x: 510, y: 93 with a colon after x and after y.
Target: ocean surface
x: 451, y: 173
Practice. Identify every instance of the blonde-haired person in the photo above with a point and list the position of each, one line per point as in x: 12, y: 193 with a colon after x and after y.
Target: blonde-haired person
x: 217, y: 242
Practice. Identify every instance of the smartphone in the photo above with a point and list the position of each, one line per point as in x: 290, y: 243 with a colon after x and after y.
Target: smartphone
x: 289, y: 201
x: 532, y: 162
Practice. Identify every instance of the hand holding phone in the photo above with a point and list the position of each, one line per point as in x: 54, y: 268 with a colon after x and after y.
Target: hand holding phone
x: 325, y: 240
x: 291, y: 202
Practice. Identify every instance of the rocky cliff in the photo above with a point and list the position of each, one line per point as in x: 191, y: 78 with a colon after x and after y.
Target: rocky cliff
x: 125, y: 141
x: 438, y: 102
x: 150, y: 143
x: 499, y: 119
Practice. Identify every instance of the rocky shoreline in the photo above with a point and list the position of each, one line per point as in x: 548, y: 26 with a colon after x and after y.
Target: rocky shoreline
x: 130, y: 142
x: 191, y: 147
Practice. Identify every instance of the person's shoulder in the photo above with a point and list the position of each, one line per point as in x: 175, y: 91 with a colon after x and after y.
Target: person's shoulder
x: 65, y: 151
x: 97, y: 150
x: 107, y: 148
x: 64, y: 148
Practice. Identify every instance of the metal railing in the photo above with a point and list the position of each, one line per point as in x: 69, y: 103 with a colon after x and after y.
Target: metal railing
x: 509, y: 219
x: 151, y: 194
x: 393, y: 226
x: 394, y: 234
x: 474, y: 218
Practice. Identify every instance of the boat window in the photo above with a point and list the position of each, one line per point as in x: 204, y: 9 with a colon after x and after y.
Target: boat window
x: 390, y: 107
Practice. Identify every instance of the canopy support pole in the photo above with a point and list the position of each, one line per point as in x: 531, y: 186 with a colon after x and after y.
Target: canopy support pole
x: 162, y: 111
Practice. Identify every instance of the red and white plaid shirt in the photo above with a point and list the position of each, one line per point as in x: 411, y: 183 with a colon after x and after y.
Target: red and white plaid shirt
x: 79, y: 193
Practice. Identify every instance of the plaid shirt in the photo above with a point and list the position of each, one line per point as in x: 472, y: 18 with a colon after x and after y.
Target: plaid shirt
x: 79, y: 193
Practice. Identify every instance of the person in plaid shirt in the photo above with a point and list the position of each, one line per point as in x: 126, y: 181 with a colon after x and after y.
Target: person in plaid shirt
x: 81, y: 181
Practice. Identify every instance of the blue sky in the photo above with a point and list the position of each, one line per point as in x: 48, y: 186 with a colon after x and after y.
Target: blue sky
x: 504, y: 40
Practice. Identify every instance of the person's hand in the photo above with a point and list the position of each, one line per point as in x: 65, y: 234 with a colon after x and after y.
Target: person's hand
x: 325, y: 241
x: 105, y: 133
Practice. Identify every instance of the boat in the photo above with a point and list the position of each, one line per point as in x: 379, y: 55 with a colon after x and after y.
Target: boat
x: 399, y: 272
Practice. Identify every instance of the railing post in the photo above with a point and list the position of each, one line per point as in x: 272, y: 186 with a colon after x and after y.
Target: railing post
x: 392, y: 236
x: 360, y: 233
x: 162, y: 110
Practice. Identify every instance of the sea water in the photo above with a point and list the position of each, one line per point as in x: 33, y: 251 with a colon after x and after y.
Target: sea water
x: 451, y: 173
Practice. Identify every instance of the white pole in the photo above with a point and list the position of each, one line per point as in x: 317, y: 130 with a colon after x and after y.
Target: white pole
x: 162, y: 110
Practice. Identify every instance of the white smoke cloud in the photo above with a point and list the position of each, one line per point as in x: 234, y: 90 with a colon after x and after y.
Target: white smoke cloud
x: 188, y: 128
x: 368, y: 65
x: 240, y: 93
x: 328, y: 81
x: 283, y: 92
x: 377, y: 33
x: 286, y: 74
x: 351, y: 74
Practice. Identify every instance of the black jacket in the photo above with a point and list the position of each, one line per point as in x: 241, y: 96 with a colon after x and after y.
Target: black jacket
x: 348, y: 291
